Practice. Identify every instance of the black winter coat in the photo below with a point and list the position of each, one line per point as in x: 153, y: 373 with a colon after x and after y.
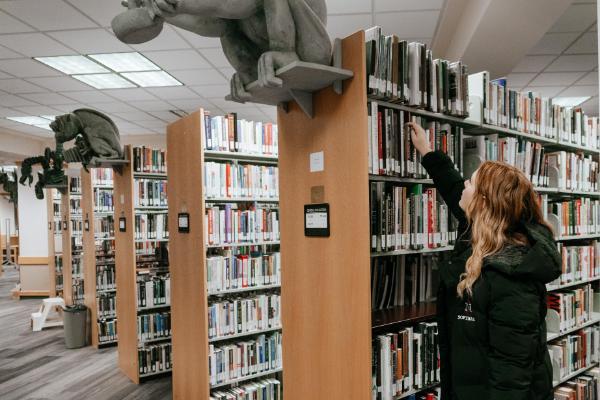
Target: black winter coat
x: 493, y: 345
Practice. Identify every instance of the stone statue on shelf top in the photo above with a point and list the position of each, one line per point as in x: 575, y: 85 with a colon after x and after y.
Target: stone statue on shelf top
x: 258, y: 36
x: 9, y: 185
x: 96, y: 138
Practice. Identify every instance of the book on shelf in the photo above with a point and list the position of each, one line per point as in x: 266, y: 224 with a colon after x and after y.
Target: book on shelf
x: 103, y: 200
x: 153, y: 291
x: 574, y: 307
x: 575, y: 171
x: 579, y: 263
x: 104, y: 226
x: 267, y: 389
x: 244, y: 359
x: 228, y: 271
x: 75, y: 206
x: 154, y: 326
x: 391, y: 151
x: 579, y: 216
x: 244, y: 315
x: 404, y: 361
x: 574, y: 352
x: 107, y: 331
x: 233, y: 223
x: 106, y: 277
x: 77, y: 289
x: 227, y: 180
x: 148, y: 160
x: 146, y: 248
x: 102, y: 176
x: 230, y: 134
x: 106, y: 305
x: 151, y: 226
x: 155, y: 358
x: 150, y: 192
x: 582, y: 387
x: 409, y: 218
x: 399, y: 71
x: 404, y: 280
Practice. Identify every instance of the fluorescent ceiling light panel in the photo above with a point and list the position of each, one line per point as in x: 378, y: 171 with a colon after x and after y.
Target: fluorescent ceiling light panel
x: 46, y: 127
x: 125, y: 62
x: 49, y: 117
x: 569, y: 101
x: 72, y: 64
x: 105, y: 81
x: 152, y: 79
x: 30, y: 120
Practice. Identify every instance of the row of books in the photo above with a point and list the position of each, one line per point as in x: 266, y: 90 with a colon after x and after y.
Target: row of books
x: 529, y: 112
x: 575, y: 171
x: 103, y: 200
x: 76, y: 267
x: 268, y: 389
x: 75, y: 206
x: 229, y: 272
x: 106, y: 277
x: 582, y: 387
x: 149, y: 193
x: 228, y: 133
x: 391, y: 151
x: 577, y: 216
x: 244, y: 315
x: 56, y: 209
x: 230, y: 224
x: 153, y: 326
x: 106, y: 305
x: 409, y: 218
x: 107, y: 331
x: 405, y: 361
x: 104, y: 226
x: 579, y: 263
x: 405, y: 72
x: 102, y: 176
x: 155, y: 358
x: 154, y: 291
x: 75, y: 185
x: 151, y: 226
x: 78, y: 290
x: 574, y: 352
x: 227, y: 180
x: 404, y: 280
x: 146, y: 248
x: 245, y: 358
x: 574, y: 307
x: 148, y: 160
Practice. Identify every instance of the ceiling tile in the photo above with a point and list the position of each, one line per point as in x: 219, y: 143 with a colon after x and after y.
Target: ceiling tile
x: 590, y: 79
x: 9, y: 100
x: 165, y: 115
x: 209, y: 91
x: 36, y: 110
x: 27, y: 68
x: 576, y: 91
x: 553, y: 43
x: 9, y: 24
x: 91, y: 41
x: 6, y: 53
x: 533, y: 63
x: 170, y: 93
x: 59, y: 83
x: 153, y: 105
x: 16, y: 86
x: 587, y: 44
x: 33, y: 130
x: 408, y: 24
x: 67, y: 108
x: 520, y: 79
x: 48, y: 99
x: 100, y: 11
x: 574, y: 63
x: 34, y: 45
x: 177, y: 59
x: 197, y: 41
x: 348, y: 6
x: 189, y: 105
x: 556, y: 78
x: 199, y: 77
x: 89, y: 96
x: 577, y: 18
x: 154, y: 124
x: 134, y: 116
x: 167, y: 40
x: 4, y: 76
x: 545, y: 91
x: 216, y: 57
x: 133, y: 94
x: 405, y: 5
x: 340, y: 26
x: 114, y: 106
x: 47, y: 14
x: 7, y: 112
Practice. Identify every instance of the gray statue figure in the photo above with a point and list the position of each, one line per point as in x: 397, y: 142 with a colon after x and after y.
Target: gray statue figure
x: 96, y: 138
x: 258, y: 36
x: 9, y: 185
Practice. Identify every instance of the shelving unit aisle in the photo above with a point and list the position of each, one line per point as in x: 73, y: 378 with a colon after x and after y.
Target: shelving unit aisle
x: 135, y: 262
x: 190, y: 251
x: 53, y: 200
x: 99, y: 257
x: 75, y: 239
x: 69, y: 238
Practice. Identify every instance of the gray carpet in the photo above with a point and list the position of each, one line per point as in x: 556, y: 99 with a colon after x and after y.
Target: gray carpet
x: 36, y: 365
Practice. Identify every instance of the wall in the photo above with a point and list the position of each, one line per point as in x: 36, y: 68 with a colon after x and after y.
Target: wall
x: 7, y: 211
x: 33, y: 223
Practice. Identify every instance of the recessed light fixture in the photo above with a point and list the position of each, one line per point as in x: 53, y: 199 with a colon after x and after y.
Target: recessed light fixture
x: 42, y: 122
x: 569, y: 101
x: 105, y: 81
x: 71, y: 65
x: 125, y: 62
x: 152, y: 79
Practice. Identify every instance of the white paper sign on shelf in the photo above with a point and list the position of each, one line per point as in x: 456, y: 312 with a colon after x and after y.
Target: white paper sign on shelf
x: 317, y: 162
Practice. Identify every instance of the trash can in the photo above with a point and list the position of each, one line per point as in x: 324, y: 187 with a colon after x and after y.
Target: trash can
x: 75, y: 321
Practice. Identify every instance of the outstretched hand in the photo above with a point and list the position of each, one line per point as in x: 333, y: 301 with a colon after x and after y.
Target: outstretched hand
x: 419, y: 138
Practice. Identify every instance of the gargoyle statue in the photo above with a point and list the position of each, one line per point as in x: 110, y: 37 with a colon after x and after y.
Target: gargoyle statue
x: 96, y: 137
x: 9, y: 185
x: 258, y: 36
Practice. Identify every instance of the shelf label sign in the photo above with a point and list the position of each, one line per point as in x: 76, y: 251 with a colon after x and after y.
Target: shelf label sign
x: 316, y: 220
x: 183, y: 222
x: 122, y: 224
x: 317, y: 162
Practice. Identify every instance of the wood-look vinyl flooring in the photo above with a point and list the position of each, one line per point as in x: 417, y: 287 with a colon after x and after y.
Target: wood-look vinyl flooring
x: 37, y: 366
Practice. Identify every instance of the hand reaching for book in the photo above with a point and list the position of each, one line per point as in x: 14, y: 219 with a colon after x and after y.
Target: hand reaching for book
x: 419, y: 138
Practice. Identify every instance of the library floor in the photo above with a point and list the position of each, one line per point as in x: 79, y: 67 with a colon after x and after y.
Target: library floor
x: 36, y: 366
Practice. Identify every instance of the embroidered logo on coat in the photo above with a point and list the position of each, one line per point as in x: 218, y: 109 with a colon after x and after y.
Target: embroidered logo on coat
x: 468, y: 313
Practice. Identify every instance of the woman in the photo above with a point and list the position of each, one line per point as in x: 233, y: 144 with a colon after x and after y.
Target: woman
x: 492, y: 295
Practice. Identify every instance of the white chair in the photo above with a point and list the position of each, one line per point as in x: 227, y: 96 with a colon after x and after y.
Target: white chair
x: 41, y: 319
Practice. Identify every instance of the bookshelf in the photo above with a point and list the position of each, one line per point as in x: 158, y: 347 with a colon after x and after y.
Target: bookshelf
x: 71, y: 253
x: 193, y: 296
x: 53, y: 201
x: 98, y: 254
x: 136, y: 262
